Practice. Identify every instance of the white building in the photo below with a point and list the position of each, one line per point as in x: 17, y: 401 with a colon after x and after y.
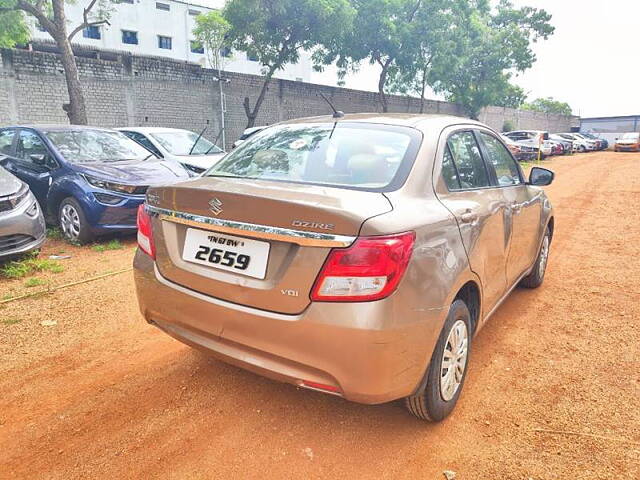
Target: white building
x: 163, y: 28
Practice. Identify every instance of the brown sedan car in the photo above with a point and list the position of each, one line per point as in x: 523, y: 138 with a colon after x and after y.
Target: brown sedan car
x: 357, y: 256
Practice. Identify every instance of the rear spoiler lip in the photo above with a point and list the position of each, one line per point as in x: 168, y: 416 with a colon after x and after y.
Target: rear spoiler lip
x: 300, y: 237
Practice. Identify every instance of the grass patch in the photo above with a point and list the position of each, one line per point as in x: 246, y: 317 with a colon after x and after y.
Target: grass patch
x: 114, y: 245
x: 10, y: 321
x: 27, y: 265
x: 111, y: 245
x: 57, y: 268
x: 54, y: 233
x: 34, y: 282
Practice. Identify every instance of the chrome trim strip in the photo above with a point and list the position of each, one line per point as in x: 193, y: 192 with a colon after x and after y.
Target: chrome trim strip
x: 300, y: 237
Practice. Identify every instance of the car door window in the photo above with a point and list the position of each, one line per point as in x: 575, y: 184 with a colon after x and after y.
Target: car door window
x: 29, y: 144
x: 506, y: 169
x: 6, y: 141
x: 449, y: 172
x: 472, y: 172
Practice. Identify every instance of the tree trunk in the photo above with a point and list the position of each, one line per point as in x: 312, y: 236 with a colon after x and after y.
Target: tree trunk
x: 253, y: 114
x: 381, y: 83
x: 424, y: 86
x: 77, y: 110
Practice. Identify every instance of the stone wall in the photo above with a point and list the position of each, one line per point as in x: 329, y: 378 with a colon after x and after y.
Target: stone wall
x: 126, y: 90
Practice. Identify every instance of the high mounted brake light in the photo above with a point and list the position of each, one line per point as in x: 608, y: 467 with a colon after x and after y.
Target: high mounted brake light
x: 370, y: 269
x: 145, y: 232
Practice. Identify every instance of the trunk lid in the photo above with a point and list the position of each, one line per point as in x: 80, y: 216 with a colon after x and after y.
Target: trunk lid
x: 288, y: 228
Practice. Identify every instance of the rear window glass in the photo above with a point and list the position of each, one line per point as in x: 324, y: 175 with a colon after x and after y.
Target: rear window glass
x: 356, y: 155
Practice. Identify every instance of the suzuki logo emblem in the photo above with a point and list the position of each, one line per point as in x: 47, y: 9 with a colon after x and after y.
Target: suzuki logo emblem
x: 215, y: 205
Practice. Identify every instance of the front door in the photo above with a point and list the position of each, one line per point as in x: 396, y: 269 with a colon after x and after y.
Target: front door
x: 524, y: 206
x: 32, y: 163
x: 480, y: 210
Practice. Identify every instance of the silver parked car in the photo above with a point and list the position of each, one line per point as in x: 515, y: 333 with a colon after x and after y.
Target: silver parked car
x: 22, y: 226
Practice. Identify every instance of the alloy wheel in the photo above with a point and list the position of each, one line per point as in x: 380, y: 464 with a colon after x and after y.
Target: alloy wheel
x: 454, y: 360
x: 544, y: 256
x: 70, y: 222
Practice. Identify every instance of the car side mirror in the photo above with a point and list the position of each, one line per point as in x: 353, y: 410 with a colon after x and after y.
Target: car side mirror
x: 540, y: 177
x: 38, y: 159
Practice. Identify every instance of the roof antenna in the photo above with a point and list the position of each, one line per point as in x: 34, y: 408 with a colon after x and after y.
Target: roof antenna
x: 336, y: 113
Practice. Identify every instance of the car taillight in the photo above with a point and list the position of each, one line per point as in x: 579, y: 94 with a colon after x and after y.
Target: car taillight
x: 370, y: 269
x: 145, y: 232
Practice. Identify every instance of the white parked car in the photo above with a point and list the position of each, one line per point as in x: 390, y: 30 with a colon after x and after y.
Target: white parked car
x: 533, y: 138
x: 188, y: 148
x: 580, y: 143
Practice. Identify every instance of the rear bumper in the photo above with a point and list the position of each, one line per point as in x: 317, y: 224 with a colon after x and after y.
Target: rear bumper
x: 360, y: 348
x: 19, y: 231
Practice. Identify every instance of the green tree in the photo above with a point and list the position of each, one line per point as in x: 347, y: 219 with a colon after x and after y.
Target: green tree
x: 387, y: 33
x: 211, y: 32
x: 548, y: 105
x: 512, y: 96
x: 409, y: 73
x: 51, y: 16
x: 275, y: 32
x: 487, y: 45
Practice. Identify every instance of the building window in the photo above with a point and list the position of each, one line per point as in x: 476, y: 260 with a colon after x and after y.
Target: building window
x: 92, y: 31
x: 225, y: 52
x: 163, y: 6
x: 129, y: 37
x: 164, y: 42
x: 194, y: 13
x: 252, y: 57
x: 126, y: 1
x: 196, y: 47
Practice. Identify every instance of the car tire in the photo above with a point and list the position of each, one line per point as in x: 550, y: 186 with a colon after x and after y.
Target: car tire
x: 440, y: 394
x: 582, y: 149
x: 536, y: 277
x: 73, y: 222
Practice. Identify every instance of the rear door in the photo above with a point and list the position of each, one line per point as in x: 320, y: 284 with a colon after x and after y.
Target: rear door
x: 524, y: 205
x: 480, y: 209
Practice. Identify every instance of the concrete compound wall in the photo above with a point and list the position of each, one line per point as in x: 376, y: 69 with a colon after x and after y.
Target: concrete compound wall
x: 130, y: 90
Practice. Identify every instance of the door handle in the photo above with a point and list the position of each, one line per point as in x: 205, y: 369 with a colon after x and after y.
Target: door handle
x: 468, y: 217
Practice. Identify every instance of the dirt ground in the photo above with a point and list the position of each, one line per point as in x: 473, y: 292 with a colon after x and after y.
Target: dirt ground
x: 553, y: 390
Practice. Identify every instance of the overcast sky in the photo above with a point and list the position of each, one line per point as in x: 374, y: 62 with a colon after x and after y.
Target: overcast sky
x: 592, y: 61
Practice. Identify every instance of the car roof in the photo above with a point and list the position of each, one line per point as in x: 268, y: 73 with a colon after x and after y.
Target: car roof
x: 153, y: 129
x: 418, y: 121
x: 58, y: 127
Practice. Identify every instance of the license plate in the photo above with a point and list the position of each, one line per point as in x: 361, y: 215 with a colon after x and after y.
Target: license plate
x: 227, y: 252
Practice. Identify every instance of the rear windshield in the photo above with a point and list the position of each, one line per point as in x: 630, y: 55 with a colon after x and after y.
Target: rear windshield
x: 351, y: 155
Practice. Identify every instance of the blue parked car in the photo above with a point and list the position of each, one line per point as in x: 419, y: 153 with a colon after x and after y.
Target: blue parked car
x: 90, y: 181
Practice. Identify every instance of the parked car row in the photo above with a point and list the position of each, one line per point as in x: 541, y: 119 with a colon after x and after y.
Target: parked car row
x: 529, y: 144
x: 90, y: 181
